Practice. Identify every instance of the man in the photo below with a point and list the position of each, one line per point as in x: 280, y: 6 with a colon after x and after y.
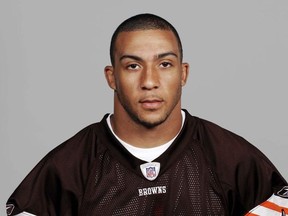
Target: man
x: 149, y: 157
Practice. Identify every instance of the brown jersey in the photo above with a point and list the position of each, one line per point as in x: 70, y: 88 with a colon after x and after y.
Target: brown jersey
x: 206, y: 171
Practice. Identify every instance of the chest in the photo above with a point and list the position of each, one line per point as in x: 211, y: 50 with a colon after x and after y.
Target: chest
x: 186, y: 187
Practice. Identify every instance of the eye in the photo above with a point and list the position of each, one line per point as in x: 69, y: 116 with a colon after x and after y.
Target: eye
x: 165, y: 64
x: 133, y: 67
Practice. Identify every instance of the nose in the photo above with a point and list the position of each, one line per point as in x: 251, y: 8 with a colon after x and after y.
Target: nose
x: 149, y: 79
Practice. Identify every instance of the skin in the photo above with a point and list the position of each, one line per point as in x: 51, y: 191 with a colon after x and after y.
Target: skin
x: 147, y: 79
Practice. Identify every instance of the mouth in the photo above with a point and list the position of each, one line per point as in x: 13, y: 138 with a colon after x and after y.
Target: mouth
x: 151, y: 103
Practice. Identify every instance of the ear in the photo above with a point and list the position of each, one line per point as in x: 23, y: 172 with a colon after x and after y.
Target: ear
x: 185, y: 73
x: 110, y: 77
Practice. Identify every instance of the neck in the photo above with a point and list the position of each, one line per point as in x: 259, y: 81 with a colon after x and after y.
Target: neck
x: 141, y: 136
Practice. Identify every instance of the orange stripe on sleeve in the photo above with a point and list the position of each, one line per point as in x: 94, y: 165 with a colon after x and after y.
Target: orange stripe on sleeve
x: 274, y: 206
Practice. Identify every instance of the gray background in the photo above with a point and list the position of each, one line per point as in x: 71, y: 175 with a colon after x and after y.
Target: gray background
x: 52, y: 55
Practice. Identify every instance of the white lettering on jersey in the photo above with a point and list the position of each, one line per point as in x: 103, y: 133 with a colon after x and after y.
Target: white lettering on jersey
x: 152, y: 190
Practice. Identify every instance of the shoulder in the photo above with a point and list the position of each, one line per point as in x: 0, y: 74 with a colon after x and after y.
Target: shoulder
x: 223, y: 141
x: 246, y: 175
x: 78, y: 150
x: 231, y: 152
x: 66, y: 168
x: 228, y: 150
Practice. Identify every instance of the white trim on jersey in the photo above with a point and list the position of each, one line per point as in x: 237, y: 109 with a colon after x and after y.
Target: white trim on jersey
x: 25, y: 214
x: 275, y: 205
x: 264, y: 211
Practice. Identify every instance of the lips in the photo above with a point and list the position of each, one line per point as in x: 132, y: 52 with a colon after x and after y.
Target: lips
x: 151, y: 103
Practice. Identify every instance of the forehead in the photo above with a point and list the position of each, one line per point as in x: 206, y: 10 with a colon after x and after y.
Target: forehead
x: 143, y: 42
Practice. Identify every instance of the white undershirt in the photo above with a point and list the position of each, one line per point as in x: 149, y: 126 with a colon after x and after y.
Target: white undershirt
x: 145, y: 154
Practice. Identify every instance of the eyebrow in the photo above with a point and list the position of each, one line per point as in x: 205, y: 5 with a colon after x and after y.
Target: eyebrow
x: 162, y: 55
x: 159, y: 56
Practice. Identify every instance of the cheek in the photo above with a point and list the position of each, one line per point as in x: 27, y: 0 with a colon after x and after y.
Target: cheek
x: 126, y: 80
x: 172, y: 83
x: 126, y: 91
x: 128, y: 84
x: 173, y: 88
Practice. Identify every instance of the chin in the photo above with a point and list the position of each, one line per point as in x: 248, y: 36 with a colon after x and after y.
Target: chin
x: 148, y: 119
x: 151, y: 123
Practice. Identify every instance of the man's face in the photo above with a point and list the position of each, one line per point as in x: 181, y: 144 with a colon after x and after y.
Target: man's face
x: 148, y: 75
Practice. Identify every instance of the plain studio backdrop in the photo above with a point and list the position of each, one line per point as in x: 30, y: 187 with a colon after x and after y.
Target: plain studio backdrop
x: 52, y: 55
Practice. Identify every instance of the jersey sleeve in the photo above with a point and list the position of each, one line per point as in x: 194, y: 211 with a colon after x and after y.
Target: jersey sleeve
x: 276, y: 205
x: 246, y: 175
x: 34, y: 191
x: 42, y: 192
x: 255, y: 179
x: 56, y: 185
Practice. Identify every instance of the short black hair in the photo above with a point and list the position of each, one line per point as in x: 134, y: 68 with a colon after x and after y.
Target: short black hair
x: 144, y: 21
